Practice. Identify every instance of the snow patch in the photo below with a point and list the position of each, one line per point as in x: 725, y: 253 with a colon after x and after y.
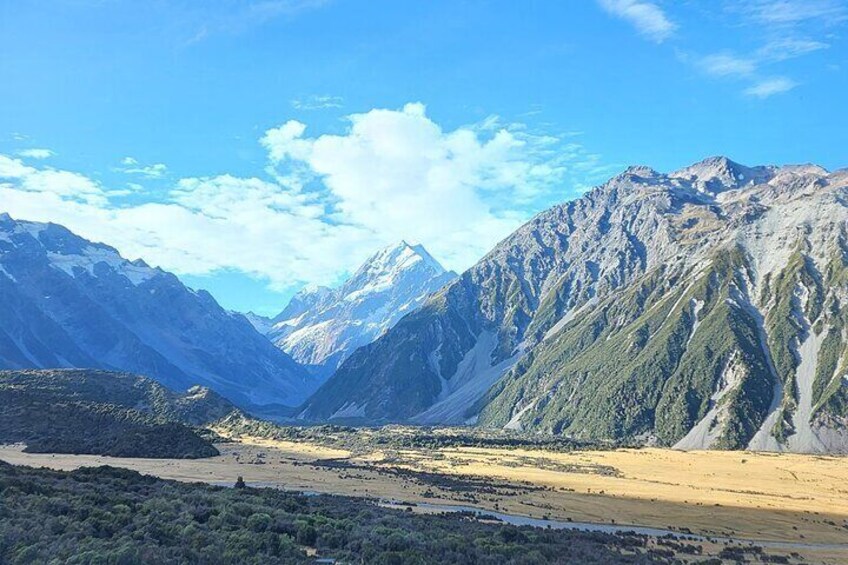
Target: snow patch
x: 92, y: 256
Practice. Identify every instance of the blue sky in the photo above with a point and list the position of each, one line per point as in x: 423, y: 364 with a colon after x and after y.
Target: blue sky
x: 254, y: 147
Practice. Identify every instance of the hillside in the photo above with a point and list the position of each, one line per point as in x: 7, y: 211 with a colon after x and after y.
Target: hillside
x: 69, y: 302
x: 105, y: 413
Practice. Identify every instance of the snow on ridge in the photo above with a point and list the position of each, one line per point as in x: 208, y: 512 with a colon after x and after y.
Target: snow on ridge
x: 93, y: 256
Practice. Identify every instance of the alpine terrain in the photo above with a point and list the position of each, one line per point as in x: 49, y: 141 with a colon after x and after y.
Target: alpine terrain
x: 321, y: 327
x: 702, y: 308
x: 68, y: 302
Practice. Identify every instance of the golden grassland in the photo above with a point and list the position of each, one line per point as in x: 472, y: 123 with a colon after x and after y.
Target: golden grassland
x: 801, y: 499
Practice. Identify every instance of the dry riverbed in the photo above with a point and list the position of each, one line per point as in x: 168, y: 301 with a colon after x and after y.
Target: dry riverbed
x: 794, y: 499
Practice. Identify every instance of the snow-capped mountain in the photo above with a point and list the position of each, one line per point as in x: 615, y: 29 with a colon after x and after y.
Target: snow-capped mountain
x: 321, y: 327
x: 702, y: 308
x: 69, y: 302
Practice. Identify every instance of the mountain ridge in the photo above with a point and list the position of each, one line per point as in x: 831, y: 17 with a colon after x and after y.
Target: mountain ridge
x: 69, y: 302
x: 549, y: 287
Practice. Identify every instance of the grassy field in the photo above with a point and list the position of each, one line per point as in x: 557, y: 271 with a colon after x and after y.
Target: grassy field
x: 791, y: 498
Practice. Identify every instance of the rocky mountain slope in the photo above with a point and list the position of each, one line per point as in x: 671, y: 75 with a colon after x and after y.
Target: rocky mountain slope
x: 700, y: 308
x: 69, y: 302
x: 321, y: 327
x: 105, y: 413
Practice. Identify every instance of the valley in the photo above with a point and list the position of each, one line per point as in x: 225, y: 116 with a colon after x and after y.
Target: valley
x: 786, y: 502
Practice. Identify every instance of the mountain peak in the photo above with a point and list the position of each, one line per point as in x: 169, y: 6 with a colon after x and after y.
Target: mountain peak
x: 720, y: 173
x: 398, y: 257
x: 323, y: 331
x: 640, y: 171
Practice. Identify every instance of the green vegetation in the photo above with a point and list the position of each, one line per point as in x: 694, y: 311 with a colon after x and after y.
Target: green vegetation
x: 395, y: 376
x: 786, y: 330
x: 104, y: 413
x: 396, y: 438
x: 632, y: 364
x: 828, y: 394
x: 113, y: 516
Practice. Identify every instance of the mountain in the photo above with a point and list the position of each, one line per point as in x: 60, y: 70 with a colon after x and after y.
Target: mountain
x: 260, y: 323
x: 322, y: 327
x: 68, y: 302
x: 105, y: 413
x: 701, y: 308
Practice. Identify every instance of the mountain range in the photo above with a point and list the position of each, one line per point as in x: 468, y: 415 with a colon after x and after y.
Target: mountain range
x: 701, y: 308
x: 69, y: 302
x: 321, y: 327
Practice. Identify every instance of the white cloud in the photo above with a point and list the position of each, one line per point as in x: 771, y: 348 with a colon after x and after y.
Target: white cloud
x: 65, y: 184
x: 770, y: 86
x: 787, y: 48
x: 131, y: 166
x: 36, y: 153
x: 727, y: 64
x: 750, y: 68
x: 793, y: 12
x: 399, y: 175
x: 331, y: 200
x: 647, y: 17
x: 317, y: 102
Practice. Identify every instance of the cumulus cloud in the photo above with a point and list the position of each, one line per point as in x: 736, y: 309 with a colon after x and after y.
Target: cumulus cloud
x: 647, y: 17
x: 36, y: 153
x: 329, y: 200
x: 64, y: 184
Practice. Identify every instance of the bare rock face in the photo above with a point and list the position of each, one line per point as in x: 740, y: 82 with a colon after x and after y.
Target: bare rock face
x: 700, y: 308
x: 321, y: 327
x: 69, y: 302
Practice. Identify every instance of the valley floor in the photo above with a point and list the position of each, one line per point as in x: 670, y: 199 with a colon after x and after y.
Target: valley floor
x: 798, y: 501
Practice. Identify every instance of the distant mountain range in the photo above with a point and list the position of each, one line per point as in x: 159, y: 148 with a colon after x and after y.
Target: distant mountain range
x: 321, y: 327
x: 69, y: 302
x: 702, y: 308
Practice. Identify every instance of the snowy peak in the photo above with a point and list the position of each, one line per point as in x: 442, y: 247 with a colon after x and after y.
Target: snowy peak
x: 398, y: 257
x: 716, y: 174
x: 387, y: 267
x: 323, y: 326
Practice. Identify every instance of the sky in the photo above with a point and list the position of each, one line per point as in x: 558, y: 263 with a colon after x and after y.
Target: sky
x: 255, y: 147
